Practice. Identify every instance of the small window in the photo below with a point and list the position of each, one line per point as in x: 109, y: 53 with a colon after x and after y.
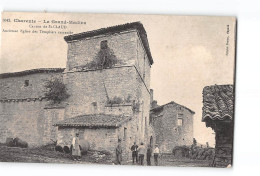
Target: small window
x: 103, y: 44
x: 180, y: 115
x: 125, y: 133
x: 26, y: 83
x: 180, y: 122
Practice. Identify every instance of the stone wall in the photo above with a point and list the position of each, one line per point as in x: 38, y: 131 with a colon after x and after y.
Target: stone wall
x: 224, y: 144
x: 89, y: 91
x: 16, y: 88
x: 103, y: 138
x: 168, y: 133
x: 22, y: 109
x: 83, y: 51
x: 99, y: 139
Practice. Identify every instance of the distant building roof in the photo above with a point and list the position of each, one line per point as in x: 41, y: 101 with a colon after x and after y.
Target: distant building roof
x: 174, y: 103
x: 116, y: 29
x: 95, y: 121
x: 218, y: 102
x: 33, y: 71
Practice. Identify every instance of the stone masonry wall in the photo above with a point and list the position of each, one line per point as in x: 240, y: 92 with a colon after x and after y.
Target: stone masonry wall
x: 15, y: 88
x: 103, y: 138
x: 24, y: 114
x: 224, y: 144
x: 91, y: 88
x: 168, y: 133
x: 83, y: 51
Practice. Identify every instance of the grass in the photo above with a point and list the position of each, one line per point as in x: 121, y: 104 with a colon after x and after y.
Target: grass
x: 46, y: 154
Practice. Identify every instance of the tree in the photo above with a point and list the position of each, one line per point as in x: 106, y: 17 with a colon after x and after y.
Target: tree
x: 56, y: 90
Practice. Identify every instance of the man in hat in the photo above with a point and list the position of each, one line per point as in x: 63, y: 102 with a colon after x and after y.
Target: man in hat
x: 76, y: 153
x: 149, y: 154
x: 141, y: 151
x: 156, y: 153
x: 134, y: 152
x: 119, y: 152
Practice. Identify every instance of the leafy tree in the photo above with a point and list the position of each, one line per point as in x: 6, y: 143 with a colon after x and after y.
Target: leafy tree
x: 56, y: 90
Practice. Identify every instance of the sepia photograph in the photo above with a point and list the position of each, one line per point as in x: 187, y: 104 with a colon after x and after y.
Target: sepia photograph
x: 117, y: 89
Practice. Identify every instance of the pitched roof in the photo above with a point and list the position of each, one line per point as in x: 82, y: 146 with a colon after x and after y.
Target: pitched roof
x: 174, y: 103
x: 218, y: 103
x: 95, y: 121
x: 33, y: 71
x: 116, y: 29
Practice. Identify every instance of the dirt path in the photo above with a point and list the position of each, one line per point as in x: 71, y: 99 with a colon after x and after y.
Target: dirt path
x: 14, y: 154
x: 39, y: 155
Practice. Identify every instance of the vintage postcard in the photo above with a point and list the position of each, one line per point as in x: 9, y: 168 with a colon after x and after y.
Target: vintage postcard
x: 117, y: 89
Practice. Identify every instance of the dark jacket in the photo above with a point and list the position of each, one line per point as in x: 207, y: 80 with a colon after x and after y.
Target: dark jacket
x: 134, y: 148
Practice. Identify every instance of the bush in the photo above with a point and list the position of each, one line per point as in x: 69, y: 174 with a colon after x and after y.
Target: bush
x: 181, y: 151
x: 56, y: 91
x: 115, y: 100
x: 202, y: 153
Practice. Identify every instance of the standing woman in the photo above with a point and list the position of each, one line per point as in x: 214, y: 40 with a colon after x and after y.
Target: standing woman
x: 76, y: 153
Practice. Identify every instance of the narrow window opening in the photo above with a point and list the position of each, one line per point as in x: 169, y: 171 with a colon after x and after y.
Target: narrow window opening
x: 26, y: 83
x: 125, y: 133
x: 103, y: 44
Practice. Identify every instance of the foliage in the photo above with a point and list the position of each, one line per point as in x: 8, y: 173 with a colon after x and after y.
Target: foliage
x: 119, y: 100
x: 56, y: 91
x: 184, y: 150
x: 128, y: 99
x: 105, y: 58
x: 202, y: 153
x: 115, y: 100
x: 136, y: 106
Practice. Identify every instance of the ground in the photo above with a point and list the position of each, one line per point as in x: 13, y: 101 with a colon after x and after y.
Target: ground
x: 48, y: 155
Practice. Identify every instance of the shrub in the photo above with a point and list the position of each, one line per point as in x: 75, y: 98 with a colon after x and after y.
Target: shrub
x: 182, y: 150
x: 136, y: 106
x: 105, y: 58
x: 115, y: 100
x: 56, y: 91
x: 128, y: 99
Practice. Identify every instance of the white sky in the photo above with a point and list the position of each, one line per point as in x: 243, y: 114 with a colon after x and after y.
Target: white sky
x: 189, y: 53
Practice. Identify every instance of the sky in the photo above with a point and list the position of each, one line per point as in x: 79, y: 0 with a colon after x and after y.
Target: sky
x: 189, y: 52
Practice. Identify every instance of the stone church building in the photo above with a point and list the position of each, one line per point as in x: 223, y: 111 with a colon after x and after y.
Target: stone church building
x: 108, y: 81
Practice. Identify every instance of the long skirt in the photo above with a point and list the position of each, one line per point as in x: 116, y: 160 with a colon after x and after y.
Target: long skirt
x: 76, y: 151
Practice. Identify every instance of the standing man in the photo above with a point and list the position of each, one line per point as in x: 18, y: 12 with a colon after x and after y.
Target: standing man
x: 141, y: 152
x: 148, y: 155
x: 156, y: 153
x: 119, y: 152
x: 134, y: 149
x: 76, y: 153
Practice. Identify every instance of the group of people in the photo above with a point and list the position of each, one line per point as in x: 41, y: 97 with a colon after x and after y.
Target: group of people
x: 138, y: 153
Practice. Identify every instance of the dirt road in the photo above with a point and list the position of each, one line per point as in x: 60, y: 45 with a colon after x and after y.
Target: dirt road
x: 43, y: 155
